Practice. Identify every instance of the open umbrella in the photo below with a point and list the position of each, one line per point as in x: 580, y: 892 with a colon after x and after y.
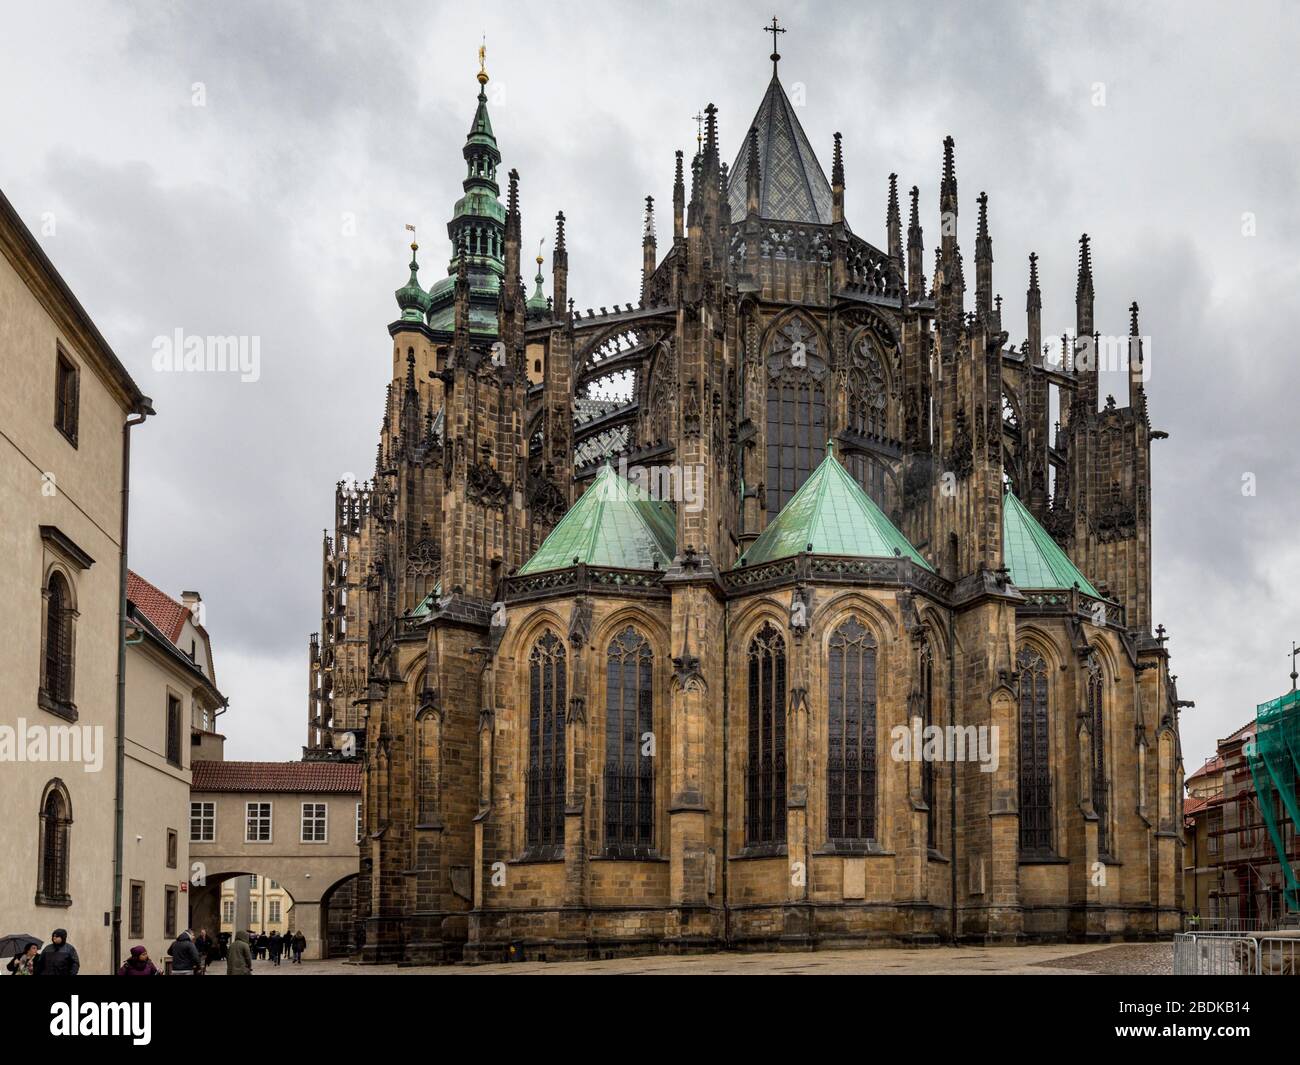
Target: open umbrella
x: 16, y: 943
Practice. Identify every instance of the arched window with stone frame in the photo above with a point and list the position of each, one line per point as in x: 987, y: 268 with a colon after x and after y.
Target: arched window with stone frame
x: 427, y: 725
x: 851, y: 734
x: 1096, y: 711
x: 53, y: 849
x: 866, y: 410
x: 765, y: 776
x: 629, y: 813
x: 1035, y: 785
x: 925, y: 711
x: 544, y: 777
x: 58, y: 646
x: 797, y: 423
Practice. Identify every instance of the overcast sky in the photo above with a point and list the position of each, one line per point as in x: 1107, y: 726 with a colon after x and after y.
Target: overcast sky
x: 247, y: 168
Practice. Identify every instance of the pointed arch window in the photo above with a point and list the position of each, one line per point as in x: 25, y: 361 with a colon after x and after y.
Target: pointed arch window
x: 544, y: 784
x: 426, y: 764
x: 58, y: 664
x: 1100, y: 783
x: 765, y: 773
x: 851, y: 733
x: 629, y: 769
x: 867, y: 403
x: 796, y: 413
x: 925, y: 711
x: 1035, y: 792
x: 55, y: 824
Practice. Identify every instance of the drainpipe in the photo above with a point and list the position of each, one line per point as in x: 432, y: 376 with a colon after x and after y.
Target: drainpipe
x: 142, y: 410
x: 726, y: 796
x: 952, y: 723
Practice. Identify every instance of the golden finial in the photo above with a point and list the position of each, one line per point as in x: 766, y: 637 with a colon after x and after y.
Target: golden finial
x: 482, y: 62
x: 539, y: 254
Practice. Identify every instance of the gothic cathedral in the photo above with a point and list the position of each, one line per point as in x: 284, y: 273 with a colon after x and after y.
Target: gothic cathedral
x: 773, y: 609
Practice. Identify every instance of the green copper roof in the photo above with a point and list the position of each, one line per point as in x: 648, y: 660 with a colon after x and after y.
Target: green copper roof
x: 615, y: 523
x: 1034, y: 559
x: 411, y: 298
x: 833, y: 514
x: 537, y: 301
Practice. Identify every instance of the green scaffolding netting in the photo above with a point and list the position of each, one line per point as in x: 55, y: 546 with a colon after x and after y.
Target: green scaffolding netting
x: 1274, y: 760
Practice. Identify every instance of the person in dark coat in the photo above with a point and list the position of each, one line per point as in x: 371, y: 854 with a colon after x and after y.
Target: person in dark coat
x: 262, y: 944
x: 59, y: 958
x: 276, y: 945
x: 239, y: 958
x: 299, y: 945
x: 185, y: 957
x: 203, y: 944
x: 139, y: 964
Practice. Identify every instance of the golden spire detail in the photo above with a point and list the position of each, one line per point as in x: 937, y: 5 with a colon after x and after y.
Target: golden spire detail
x: 482, y: 63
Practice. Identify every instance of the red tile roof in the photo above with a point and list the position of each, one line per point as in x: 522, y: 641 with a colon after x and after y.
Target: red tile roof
x: 333, y: 777
x: 1214, y: 765
x: 1193, y: 805
x: 159, y: 607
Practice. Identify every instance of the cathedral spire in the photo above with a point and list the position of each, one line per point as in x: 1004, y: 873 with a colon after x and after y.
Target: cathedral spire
x: 894, y: 222
x: 1136, y: 369
x: 1085, y: 343
x: 560, y: 271
x: 753, y: 174
x: 984, y: 263
x: 649, y: 256
x: 679, y: 200
x: 915, y: 250
x: 411, y: 298
x: 1034, y: 312
x: 837, y: 181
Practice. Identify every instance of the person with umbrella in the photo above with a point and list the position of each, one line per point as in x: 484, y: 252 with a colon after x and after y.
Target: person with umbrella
x: 24, y: 949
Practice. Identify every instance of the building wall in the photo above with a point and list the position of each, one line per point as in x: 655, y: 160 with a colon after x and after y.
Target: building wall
x: 157, y: 793
x: 305, y: 871
x: 81, y: 496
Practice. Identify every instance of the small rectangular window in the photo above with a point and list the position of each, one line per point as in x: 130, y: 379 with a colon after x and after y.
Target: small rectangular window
x: 169, y: 912
x: 273, y: 911
x: 257, y: 822
x: 136, y: 923
x: 358, y: 839
x: 171, y: 848
x: 313, y: 822
x: 66, y: 387
x: 227, y: 911
x: 203, y: 822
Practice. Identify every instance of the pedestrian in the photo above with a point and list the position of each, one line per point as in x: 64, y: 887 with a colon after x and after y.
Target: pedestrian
x: 59, y: 958
x: 276, y: 945
x: 139, y: 964
x: 239, y: 958
x: 21, y: 964
x: 184, y: 956
x: 263, y: 944
x: 299, y: 945
x: 203, y: 944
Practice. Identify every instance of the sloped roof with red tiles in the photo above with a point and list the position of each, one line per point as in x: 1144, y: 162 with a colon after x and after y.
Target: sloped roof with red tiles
x: 321, y: 777
x: 1214, y: 765
x: 1193, y: 805
x: 167, y: 615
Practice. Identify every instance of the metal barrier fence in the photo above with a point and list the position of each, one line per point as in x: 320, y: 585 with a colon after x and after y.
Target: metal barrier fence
x: 1235, y: 954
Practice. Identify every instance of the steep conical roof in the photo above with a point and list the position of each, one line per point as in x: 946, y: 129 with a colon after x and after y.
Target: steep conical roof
x: 615, y: 523
x: 833, y: 514
x: 1033, y: 558
x: 794, y: 186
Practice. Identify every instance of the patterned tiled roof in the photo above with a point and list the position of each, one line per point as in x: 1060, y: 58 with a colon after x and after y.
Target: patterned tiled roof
x: 167, y: 615
x: 835, y: 516
x: 794, y: 186
x: 322, y: 777
x: 1033, y: 558
x: 615, y: 523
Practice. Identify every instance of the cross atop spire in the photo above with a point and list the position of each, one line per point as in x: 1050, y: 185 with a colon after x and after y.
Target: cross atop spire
x: 774, y: 29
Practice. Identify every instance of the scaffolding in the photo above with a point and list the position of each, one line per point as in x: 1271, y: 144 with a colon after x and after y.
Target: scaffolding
x: 1274, y: 761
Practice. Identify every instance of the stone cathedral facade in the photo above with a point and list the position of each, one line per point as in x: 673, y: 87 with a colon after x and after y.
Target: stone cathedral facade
x: 635, y: 620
